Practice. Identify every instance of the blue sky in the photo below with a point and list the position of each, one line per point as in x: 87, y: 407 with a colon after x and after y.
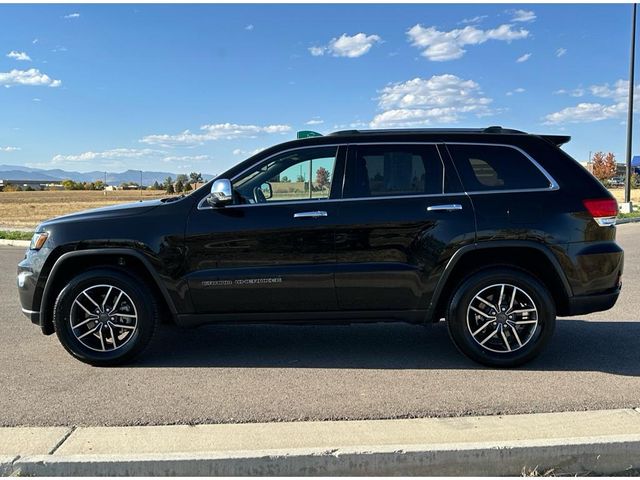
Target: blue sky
x: 201, y: 87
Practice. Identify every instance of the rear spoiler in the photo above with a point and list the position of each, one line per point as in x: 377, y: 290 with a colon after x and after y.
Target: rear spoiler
x: 557, y: 140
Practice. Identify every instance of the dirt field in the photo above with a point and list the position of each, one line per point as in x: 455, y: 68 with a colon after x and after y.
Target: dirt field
x: 27, y: 209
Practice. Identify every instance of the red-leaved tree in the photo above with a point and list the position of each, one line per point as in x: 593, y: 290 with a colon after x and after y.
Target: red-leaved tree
x: 604, y: 166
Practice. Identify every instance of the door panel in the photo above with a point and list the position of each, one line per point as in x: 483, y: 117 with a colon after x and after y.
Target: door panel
x: 392, y: 255
x: 258, y: 258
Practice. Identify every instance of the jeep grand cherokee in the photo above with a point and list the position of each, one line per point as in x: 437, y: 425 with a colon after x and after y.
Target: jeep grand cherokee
x: 495, y: 231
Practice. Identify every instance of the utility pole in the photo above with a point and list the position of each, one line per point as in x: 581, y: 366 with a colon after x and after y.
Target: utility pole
x: 105, y: 184
x: 627, y: 183
x: 140, y: 183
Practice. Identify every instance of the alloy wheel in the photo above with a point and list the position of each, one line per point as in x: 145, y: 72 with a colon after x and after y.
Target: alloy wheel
x: 502, y: 318
x: 103, y: 318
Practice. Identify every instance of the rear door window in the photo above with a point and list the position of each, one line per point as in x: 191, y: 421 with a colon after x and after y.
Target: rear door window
x: 394, y: 170
x: 495, y: 167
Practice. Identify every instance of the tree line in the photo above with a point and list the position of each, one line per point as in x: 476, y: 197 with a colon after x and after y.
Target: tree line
x: 182, y: 183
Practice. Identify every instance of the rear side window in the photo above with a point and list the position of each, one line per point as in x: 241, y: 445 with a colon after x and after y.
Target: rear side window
x: 394, y: 170
x: 495, y: 167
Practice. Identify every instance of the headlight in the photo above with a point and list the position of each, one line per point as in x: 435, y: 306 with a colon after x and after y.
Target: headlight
x: 38, y: 239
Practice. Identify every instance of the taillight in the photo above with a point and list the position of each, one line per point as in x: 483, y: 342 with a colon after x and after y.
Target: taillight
x: 603, y: 210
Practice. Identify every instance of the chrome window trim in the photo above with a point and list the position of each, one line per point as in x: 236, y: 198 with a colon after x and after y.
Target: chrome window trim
x: 266, y: 159
x: 553, y: 185
x: 201, y: 203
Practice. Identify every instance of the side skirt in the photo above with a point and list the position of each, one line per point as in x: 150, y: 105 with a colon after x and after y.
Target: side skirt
x: 305, y: 318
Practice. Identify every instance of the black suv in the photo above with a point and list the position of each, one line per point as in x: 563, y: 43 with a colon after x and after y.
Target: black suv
x: 495, y: 231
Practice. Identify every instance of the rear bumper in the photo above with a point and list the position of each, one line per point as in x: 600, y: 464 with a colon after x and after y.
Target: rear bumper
x: 594, y: 271
x: 592, y: 303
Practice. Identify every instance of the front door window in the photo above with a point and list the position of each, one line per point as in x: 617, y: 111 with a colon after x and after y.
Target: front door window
x: 304, y: 174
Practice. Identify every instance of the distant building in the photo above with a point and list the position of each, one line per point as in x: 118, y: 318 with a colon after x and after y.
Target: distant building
x: 34, y: 184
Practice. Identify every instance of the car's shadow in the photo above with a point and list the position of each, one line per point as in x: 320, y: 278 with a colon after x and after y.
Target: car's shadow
x: 577, y: 345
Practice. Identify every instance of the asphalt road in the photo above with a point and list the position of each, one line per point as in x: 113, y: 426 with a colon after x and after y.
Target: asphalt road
x: 278, y: 373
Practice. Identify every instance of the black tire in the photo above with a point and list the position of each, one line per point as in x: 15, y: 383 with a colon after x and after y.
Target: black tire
x: 135, y: 297
x: 487, y: 283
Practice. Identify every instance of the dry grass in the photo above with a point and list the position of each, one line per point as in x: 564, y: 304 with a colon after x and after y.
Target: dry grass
x: 27, y: 209
x: 619, y: 194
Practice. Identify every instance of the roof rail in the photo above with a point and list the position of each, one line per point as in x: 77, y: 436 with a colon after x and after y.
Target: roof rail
x: 491, y: 129
x: 499, y: 129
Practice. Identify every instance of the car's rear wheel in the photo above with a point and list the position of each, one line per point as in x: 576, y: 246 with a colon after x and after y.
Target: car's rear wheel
x: 105, y: 317
x: 501, y: 317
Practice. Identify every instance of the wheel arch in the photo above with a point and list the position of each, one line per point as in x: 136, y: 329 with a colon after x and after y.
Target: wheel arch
x: 123, y: 259
x: 534, y: 258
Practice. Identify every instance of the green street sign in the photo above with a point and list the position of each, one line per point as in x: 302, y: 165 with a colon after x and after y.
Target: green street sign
x: 308, y: 133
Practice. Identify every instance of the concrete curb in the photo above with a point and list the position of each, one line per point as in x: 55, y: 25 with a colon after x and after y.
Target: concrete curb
x: 602, y: 455
x: 14, y: 243
x: 622, y: 221
x: 6, y: 464
x: 599, y: 442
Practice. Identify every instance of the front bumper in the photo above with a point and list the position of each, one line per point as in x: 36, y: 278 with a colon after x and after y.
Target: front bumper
x: 32, y: 315
x: 27, y: 283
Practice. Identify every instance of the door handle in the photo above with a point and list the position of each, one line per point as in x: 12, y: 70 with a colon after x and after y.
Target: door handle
x: 316, y: 214
x: 447, y: 208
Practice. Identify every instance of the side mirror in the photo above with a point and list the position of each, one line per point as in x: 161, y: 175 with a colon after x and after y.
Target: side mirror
x: 267, y: 190
x: 221, y: 193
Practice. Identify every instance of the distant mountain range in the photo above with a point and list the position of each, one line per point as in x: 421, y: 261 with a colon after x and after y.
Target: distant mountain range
x: 16, y: 172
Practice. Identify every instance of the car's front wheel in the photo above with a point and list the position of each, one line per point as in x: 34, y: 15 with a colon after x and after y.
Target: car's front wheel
x: 105, y: 317
x: 501, y: 317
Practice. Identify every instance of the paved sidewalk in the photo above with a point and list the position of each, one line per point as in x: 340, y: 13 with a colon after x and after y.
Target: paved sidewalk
x: 14, y: 243
x: 606, y: 441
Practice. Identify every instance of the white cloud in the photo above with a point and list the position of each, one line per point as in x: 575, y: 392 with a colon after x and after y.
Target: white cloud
x: 515, y: 90
x: 247, y: 153
x: 219, y: 131
x: 31, y: 77
x: 314, y: 121
x: 524, y: 58
x: 595, y: 111
x: 523, y: 16
x: 249, y: 27
x: 476, y: 19
x: 72, y: 15
x: 113, y: 154
x: 185, y: 158
x: 576, y: 92
x: 561, y: 52
x: 21, y: 56
x: 347, y: 46
x: 585, y: 112
x: 36, y: 99
x: 440, y: 99
x: 316, y: 51
x: 9, y: 149
x: 439, y: 46
x: 619, y: 91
